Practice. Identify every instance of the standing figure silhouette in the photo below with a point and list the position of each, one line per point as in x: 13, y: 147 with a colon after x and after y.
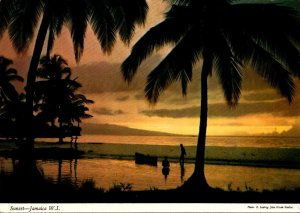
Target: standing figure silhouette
x: 183, y: 153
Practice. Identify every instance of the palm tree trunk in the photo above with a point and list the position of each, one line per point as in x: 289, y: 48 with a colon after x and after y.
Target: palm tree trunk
x: 200, y: 154
x: 31, y: 77
x: 61, y: 133
x: 198, y: 181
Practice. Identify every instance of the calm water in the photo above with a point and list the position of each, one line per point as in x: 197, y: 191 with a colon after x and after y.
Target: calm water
x: 106, y: 172
x: 190, y: 141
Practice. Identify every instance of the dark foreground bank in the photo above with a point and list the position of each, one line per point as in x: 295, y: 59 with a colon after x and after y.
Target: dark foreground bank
x: 32, y: 187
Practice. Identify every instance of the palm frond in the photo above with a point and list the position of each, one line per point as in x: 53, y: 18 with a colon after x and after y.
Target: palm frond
x: 78, y: 19
x: 228, y: 69
x: 265, y: 17
x: 181, y: 2
x: 4, y: 63
x: 103, y: 24
x: 51, y: 35
x: 282, y: 49
x: 268, y: 65
x: 10, y: 71
x: 127, y: 14
x: 72, y: 84
x: 26, y: 15
x: 58, y: 60
x: 5, y: 14
x: 67, y: 71
x: 273, y: 72
x: 273, y: 27
x: 59, y: 14
x: 51, y: 38
x: 197, y: 2
x: 169, y: 31
x: 15, y: 78
x: 177, y: 65
x: 9, y: 91
x: 81, y: 99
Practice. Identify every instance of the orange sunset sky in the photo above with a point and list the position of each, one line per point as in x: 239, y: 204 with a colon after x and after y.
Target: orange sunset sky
x: 261, y: 109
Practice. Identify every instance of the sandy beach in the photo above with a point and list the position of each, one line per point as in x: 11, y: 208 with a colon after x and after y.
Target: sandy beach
x: 267, y: 157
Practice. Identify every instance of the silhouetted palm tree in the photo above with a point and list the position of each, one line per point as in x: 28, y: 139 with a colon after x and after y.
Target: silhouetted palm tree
x: 54, y: 88
x: 12, y: 118
x: 55, y: 96
x: 7, y: 75
x: 21, y: 18
x: 227, y: 37
x: 74, y: 110
x: 9, y: 98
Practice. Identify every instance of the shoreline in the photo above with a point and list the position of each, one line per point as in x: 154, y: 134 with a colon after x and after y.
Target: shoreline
x: 239, y: 156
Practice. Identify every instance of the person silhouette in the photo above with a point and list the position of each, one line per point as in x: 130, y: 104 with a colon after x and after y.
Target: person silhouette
x: 166, y: 167
x: 183, y: 153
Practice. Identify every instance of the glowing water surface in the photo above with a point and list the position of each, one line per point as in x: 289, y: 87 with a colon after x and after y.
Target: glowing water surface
x: 107, y: 172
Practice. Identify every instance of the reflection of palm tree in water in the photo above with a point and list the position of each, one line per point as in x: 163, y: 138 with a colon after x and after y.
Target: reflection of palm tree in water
x: 59, y: 170
x: 73, y: 166
x: 75, y: 170
x: 59, y: 177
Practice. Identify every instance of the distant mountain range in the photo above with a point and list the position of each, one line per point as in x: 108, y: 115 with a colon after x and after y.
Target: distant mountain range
x: 110, y: 129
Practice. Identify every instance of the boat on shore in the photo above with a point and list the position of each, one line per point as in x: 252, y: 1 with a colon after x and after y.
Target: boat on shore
x: 145, y: 159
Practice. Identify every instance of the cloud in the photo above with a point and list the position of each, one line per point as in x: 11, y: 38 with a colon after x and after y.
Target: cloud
x: 106, y: 111
x: 107, y: 77
x: 173, y: 113
x: 294, y: 131
x: 278, y: 108
x: 123, y: 98
x: 264, y: 95
x: 139, y: 97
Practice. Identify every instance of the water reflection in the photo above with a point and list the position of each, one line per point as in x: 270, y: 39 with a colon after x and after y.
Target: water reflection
x: 182, y: 171
x: 67, y: 170
x: 59, y: 171
x: 166, y: 168
x: 106, y: 172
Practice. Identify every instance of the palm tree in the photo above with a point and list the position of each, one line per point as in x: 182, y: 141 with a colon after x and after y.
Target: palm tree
x: 74, y: 110
x: 227, y: 37
x: 7, y: 75
x: 12, y: 117
x: 9, y: 97
x: 106, y: 18
x: 54, y: 88
x: 55, y: 96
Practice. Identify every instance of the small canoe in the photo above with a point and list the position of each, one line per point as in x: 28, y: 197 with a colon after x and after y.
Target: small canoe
x: 145, y: 159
